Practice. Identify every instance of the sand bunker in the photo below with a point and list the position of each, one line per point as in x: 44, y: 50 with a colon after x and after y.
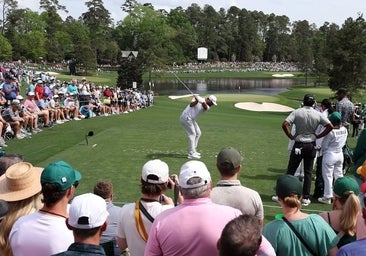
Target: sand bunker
x: 264, y: 107
x: 282, y: 75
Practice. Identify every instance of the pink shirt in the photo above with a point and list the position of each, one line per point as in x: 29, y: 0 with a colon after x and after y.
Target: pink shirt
x: 191, y: 229
x: 31, y: 105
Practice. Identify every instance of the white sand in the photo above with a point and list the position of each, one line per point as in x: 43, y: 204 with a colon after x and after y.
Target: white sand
x: 282, y: 75
x: 264, y: 107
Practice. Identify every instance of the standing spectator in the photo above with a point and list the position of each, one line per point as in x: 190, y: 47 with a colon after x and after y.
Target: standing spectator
x: 104, y: 189
x: 306, y: 120
x: 20, y: 186
x: 332, y: 147
x: 193, y: 227
x: 229, y: 191
x: 358, y: 247
x: 242, y: 236
x: 357, y: 121
x: 346, y: 218
x: 282, y: 236
x: 188, y: 118
x: 345, y: 107
x: 154, y: 182
x: 326, y: 109
x: 87, y: 220
x: 44, y: 233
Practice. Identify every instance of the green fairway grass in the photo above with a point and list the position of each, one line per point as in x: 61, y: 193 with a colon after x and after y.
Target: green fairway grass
x: 125, y: 142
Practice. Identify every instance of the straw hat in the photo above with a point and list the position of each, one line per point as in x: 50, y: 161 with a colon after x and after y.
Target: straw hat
x: 20, y: 181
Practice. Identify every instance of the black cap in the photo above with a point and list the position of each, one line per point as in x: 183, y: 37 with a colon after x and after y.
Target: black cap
x: 309, y: 100
x: 342, y: 91
x: 8, y: 76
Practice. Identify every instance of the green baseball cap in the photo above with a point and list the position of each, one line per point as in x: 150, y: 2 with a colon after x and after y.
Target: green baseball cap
x: 335, y: 117
x: 229, y: 155
x: 344, y: 186
x: 60, y: 173
x: 287, y: 185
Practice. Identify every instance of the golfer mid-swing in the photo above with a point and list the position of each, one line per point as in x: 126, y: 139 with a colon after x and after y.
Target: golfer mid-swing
x: 188, y: 120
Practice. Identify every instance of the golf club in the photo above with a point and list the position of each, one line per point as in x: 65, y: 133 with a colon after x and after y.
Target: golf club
x: 183, y: 84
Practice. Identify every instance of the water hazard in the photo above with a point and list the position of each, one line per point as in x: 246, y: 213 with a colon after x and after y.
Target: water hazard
x: 224, y: 85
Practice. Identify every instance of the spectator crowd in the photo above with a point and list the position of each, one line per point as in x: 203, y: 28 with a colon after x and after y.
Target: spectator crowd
x: 49, y: 102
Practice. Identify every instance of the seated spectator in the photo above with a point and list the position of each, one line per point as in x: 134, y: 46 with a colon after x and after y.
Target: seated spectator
x: 43, y: 104
x: 193, y: 227
x: 31, y: 106
x: 104, y: 189
x: 4, y: 209
x: 8, y: 160
x: 87, y: 220
x: 11, y: 116
x: 30, y: 118
x: 59, y: 181
x: 20, y: 186
x: 154, y: 182
x: 322, y: 241
x: 71, y: 108
x: 345, y: 218
x: 4, y: 125
x: 10, y: 88
x: 242, y: 236
x: 358, y: 247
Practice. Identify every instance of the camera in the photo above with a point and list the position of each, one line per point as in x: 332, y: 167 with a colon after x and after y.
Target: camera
x: 172, y: 177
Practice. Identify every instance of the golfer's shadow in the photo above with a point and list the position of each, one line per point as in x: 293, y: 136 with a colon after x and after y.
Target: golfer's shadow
x: 162, y: 155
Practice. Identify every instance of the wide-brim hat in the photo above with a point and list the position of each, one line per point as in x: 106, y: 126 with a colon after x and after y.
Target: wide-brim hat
x: 20, y: 181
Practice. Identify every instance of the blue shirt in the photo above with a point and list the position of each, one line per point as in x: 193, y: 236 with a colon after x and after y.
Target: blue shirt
x: 83, y: 249
x: 12, y: 94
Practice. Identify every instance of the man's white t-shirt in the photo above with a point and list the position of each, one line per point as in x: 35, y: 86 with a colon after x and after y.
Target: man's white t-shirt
x: 195, y: 111
x: 127, y: 227
x: 39, y: 234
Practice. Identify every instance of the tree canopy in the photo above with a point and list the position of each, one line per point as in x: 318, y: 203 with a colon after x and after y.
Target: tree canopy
x: 165, y: 38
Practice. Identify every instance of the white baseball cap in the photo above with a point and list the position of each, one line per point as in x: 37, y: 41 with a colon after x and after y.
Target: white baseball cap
x: 31, y: 94
x: 194, y: 169
x: 87, y: 211
x: 213, y: 99
x: 19, y: 97
x: 158, y: 168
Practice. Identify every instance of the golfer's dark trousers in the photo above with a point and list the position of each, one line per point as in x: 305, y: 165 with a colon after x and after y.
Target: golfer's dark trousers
x: 299, y: 152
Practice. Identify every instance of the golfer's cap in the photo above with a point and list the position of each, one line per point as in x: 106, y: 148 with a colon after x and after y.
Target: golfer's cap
x: 230, y: 156
x: 194, y: 169
x: 15, y: 103
x: 87, y: 211
x: 213, y: 99
x: 345, y: 186
x: 39, y: 81
x: 342, y: 90
x: 287, y: 185
x: 60, y: 173
x: 335, y: 117
x: 362, y: 170
x: 30, y: 93
x: 19, y: 97
x: 155, y: 172
x: 55, y: 96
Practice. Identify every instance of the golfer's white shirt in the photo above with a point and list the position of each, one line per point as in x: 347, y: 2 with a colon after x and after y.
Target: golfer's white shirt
x: 195, y: 111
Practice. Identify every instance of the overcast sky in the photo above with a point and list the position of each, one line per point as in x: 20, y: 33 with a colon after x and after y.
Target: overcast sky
x: 315, y: 11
